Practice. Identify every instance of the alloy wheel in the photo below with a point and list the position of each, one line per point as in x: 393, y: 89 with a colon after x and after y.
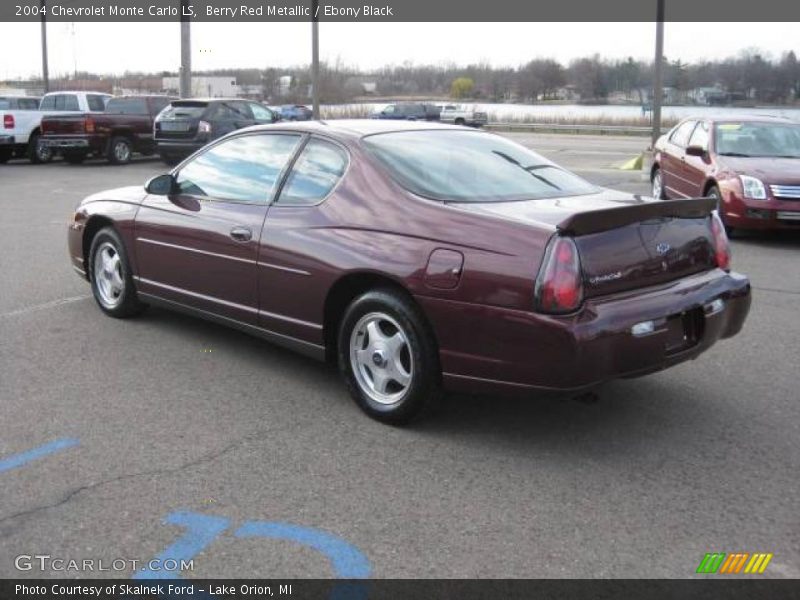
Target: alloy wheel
x: 110, y: 282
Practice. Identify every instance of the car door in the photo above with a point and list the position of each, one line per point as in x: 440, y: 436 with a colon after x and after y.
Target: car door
x: 672, y: 171
x: 695, y: 168
x: 293, y: 272
x: 198, y: 247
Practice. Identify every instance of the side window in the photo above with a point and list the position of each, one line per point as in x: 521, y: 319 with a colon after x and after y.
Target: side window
x: 70, y: 102
x: 48, y: 103
x: 127, y: 106
x: 96, y: 102
x: 700, y: 136
x: 314, y: 174
x: 242, y: 110
x: 680, y: 137
x: 389, y: 110
x: 261, y: 113
x: 241, y: 169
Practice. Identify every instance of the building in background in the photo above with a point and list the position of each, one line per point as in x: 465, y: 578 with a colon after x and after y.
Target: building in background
x: 205, y: 87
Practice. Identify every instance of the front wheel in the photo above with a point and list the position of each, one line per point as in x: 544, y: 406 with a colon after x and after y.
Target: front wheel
x: 388, y: 357
x: 112, y: 282
x: 713, y: 192
x: 658, y: 186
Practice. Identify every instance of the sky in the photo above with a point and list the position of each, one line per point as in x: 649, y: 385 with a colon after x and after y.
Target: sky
x: 114, y: 47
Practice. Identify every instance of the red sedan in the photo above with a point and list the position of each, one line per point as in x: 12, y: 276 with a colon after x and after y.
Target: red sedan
x: 418, y: 257
x: 750, y: 166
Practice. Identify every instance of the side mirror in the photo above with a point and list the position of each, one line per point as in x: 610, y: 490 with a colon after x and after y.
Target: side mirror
x: 161, y: 185
x: 696, y: 151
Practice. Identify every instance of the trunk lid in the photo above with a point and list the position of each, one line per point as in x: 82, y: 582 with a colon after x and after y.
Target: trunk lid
x: 624, y: 241
x: 180, y: 119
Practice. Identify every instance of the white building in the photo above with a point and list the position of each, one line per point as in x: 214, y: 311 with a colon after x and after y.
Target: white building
x: 205, y: 87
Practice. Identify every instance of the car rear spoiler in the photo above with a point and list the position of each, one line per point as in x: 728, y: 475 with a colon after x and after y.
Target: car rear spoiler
x: 604, y: 219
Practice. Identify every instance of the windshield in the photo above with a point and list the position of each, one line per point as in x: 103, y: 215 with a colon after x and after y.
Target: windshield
x: 774, y: 140
x: 464, y: 166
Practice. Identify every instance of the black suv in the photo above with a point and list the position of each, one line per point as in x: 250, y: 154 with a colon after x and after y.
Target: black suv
x: 410, y: 112
x: 187, y: 125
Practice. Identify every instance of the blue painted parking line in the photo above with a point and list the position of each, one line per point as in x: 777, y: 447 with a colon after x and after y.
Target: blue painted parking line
x: 19, y: 460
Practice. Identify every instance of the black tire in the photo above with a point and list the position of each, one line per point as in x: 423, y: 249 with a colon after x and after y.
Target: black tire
x: 459, y: 121
x: 38, y: 153
x: 126, y: 303
x: 658, y: 195
x: 419, y: 355
x: 5, y: 155
x: 120, y: 150
x: 713, y: 192
x: 73, y: 157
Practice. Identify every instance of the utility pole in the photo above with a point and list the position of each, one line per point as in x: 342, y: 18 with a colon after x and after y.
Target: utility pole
x: 658, y: 78
x: 45, y: 73
x: 186, y: 52
x: 314, y: 59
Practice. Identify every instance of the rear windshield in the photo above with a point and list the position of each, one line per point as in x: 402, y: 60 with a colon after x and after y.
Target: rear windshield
x: 464, y: 166
x: 185, y: 109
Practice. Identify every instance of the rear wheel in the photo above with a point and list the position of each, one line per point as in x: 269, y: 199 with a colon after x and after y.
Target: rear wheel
x: 459, y: 121
x: 120, y: 151
x: 388, y: 357
x: 112, y: 283
x: 38, y: 152
x: 658, y: 185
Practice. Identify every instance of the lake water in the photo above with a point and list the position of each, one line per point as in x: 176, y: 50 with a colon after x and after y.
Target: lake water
x: 606, y: 112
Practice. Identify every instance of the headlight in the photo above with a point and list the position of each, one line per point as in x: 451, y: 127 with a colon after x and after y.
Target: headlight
x: 753, y: 188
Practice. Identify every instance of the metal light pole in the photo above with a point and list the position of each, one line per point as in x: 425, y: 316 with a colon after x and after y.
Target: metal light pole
x: 658, y: 79
x: 314, y: 59
x: 45, y: 73
x: 185, y: 80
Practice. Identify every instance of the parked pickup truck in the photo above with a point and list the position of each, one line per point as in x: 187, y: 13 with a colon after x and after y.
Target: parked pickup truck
x: 8, y: 146
x: 125, y: 127
x: 463, y: 115
x: 21, y: 131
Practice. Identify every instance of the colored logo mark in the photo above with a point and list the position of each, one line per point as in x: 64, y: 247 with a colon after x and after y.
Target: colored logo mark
x: 734, y: 563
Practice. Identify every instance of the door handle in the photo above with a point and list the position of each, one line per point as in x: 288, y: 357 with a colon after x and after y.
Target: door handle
x: 241, y: 234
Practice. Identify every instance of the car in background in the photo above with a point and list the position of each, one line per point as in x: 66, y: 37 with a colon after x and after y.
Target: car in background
x: 296, y: 112
x: 419, y: 257
x: 463, y: 115
x: 750, y: 166
x: 409, y: 111
x: 125, y: 127
x: 187, y: 125
x: 21, y: 127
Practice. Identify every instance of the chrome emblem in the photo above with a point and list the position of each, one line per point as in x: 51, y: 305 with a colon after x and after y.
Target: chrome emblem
x: 663, y: 248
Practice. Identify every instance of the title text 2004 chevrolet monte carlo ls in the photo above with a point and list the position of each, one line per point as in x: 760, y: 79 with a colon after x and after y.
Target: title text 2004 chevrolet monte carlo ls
x: 420, y: 257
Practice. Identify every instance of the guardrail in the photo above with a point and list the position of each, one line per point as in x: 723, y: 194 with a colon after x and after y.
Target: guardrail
x: 576, y: 128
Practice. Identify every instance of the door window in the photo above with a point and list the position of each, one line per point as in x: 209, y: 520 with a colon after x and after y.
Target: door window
x: 700, y: 136
x: 240, y: 169
x: 314, y: 174
x: 261, y: 113
x: 680, y: 137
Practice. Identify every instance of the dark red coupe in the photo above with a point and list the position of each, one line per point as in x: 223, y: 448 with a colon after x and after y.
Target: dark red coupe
x: 750, y: 166
x: 419, y: 257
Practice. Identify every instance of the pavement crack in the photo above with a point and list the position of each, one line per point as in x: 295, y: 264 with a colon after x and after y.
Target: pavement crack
x: 206, y: 458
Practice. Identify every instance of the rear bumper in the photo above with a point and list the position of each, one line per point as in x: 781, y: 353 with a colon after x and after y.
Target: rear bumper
x: 89, y: 143
x: 512, y: 350
x: 179, y: 147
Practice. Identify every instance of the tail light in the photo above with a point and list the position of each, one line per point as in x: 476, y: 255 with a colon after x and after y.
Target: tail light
x: 559, y: 286
x: 722, y: 249
x: 88, y: 125
x: 8, y: 121
x: 204, y: 127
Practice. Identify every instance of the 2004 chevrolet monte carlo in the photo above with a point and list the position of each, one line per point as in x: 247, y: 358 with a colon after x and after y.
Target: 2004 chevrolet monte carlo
x: 421, y: 258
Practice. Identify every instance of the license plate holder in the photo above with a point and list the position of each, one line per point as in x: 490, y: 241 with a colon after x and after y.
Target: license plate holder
x: 684, y: 331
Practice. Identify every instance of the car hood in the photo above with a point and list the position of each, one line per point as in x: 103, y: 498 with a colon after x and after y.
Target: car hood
x: 549, y: 212
x: 770, y: 170
x: 133, y: 194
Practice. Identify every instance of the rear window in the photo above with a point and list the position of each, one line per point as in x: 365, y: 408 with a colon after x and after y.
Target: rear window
x: 127, y: 106
x: 4, y: 103
x: 185, y: 110
x: 27, y: 104
x: 95, y: 102
x: 465, y: 166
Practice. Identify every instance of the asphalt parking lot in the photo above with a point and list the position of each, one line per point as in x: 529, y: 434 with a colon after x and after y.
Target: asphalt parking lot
x: 165, y: 426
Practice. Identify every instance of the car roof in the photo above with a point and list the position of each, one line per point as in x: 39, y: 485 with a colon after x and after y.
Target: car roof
x: 358, y: 128
x: 744, y: 119
x: 77, y: 92
x: 214, y: 100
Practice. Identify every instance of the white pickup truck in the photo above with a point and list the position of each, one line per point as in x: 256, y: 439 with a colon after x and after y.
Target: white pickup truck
x: 463, y: 115
x: 19, y: 136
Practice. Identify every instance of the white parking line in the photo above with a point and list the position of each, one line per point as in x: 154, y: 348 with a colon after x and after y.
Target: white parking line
x: 45, y: 306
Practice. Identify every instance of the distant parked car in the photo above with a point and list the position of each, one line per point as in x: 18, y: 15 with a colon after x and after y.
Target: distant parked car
x: 21, y: 131
x: 296, y: 112
x: 463, y: 115
x: 409, y: 111
x: 187, y: 125
x: 125, y: 127
x: 750, y: 166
